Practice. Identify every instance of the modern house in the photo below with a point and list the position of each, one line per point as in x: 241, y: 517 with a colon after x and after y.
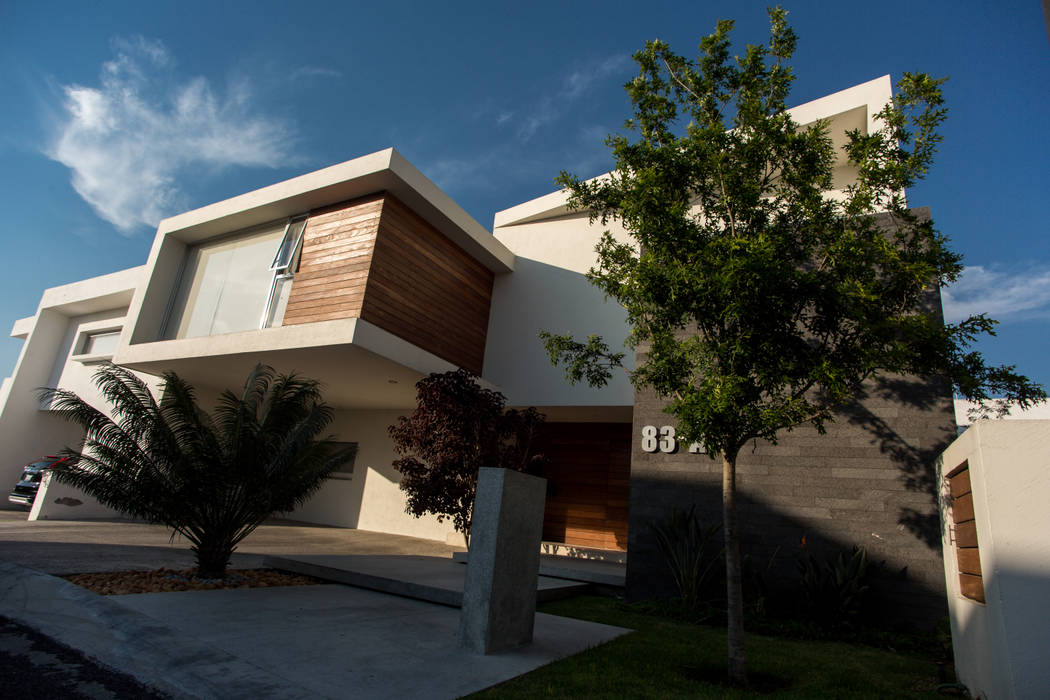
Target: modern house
x: 367, y: 277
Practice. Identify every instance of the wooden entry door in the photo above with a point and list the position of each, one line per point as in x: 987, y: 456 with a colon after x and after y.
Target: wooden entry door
x: 588, y: 469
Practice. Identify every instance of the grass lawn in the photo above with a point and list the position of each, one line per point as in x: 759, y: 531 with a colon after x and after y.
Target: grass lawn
x: 663, y: 658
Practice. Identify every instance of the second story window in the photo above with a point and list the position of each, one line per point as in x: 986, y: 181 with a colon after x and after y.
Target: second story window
x: 225, y: 283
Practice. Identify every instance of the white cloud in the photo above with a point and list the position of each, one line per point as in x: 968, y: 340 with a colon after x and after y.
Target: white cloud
x: 580, y: 80
x: 314, y: 72
x: 129, y: 139
x: 575, y: 85
x: 485, y: 168
x: 1000, y: 293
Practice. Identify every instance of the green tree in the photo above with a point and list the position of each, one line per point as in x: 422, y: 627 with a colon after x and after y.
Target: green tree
x: 211, y: 478
x: 457, y: 428
x: 757, y: 302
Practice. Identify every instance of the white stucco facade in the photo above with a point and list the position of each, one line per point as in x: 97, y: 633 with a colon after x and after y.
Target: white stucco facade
x: 52, y: 357
x: 1002, y: 645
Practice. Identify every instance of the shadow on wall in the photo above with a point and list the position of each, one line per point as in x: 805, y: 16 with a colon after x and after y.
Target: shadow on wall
x: 912, y: 457
x: 904, y: 588
x: 869, y: 482
x: 535, y: 297
x: 1001, y: 649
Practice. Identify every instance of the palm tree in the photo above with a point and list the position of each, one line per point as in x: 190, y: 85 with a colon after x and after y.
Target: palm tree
x: 211, y: 478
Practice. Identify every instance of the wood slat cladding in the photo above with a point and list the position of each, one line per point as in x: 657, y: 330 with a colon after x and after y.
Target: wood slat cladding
x: 425, y: 289
x: 588, y: 472
x: 968, y: 553
x: 338, y: 243
x: 375, y: 259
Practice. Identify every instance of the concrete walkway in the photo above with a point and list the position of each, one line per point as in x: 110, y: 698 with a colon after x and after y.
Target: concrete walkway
x: 433, y: 579
x: 328, y: 641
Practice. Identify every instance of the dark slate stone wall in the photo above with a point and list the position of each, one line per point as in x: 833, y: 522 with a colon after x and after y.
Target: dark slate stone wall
x: 869, y: 481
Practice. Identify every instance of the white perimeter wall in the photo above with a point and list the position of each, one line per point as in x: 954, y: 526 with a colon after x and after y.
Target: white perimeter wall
x: 1002, y: 647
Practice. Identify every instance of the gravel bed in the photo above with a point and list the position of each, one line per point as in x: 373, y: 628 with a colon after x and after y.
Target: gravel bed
x: 172, y: 580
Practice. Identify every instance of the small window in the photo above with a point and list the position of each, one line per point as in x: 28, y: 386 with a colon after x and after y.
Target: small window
x: 347, y: 470
x: 101, y: 343
x: 285, y: 264
x: 967, y: 552
x: 286, y: 254
x: 282, y: 288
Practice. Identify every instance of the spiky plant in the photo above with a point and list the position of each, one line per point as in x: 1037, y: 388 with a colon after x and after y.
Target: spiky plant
x: 211, y: 478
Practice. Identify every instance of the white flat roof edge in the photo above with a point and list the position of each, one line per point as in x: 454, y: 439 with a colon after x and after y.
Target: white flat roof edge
x: 93, y: 287
x: 437, y: 197
x: 874, y: 94
x: 23, y: 327
x: 301, y: 184
x: 368, y: 174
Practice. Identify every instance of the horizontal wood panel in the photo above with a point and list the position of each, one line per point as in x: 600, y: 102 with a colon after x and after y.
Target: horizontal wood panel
x: 972, y: 587
x: 960, y: 483
x: 962, y: 508
x: 588, y: 471
x: 966, y: 534
x: 403, y: 225
x: 338, y: 244
x: 425, y: 289
x: 401, y: 307
x: 445, y: 345
x: 414, y: 276
x: 322, y: 315
x: 969, y: 560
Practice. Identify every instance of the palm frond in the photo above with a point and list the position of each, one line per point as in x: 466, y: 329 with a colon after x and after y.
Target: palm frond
x: 211, y: 478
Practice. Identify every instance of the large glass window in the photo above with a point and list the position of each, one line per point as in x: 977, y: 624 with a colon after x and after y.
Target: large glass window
x: 226, y: 284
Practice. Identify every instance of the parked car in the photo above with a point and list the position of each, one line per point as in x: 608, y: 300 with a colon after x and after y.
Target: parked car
x: 27, y: 487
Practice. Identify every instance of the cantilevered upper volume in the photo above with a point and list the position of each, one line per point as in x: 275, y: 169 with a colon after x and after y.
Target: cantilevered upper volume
x: 365, y: 272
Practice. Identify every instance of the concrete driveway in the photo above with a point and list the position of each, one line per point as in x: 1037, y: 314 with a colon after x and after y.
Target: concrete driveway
x: 328, y: 641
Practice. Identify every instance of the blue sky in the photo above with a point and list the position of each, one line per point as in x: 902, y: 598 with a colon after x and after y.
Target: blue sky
x: 119, y: 113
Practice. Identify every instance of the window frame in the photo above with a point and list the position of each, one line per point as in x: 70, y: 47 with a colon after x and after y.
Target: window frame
x: 971, y: 580
x: 282, y: 268
x: 347, y: 472
x: 284, y: 271
x: 84, y: 337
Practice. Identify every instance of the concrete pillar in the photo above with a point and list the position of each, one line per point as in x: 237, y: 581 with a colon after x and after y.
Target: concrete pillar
x: 499, y: 595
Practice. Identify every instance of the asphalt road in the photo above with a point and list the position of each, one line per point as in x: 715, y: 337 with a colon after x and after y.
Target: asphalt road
x: 35, y: 667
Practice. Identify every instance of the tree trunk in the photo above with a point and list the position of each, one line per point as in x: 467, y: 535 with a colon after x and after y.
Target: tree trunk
x: 734, y: 589
x: 213, y: 558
